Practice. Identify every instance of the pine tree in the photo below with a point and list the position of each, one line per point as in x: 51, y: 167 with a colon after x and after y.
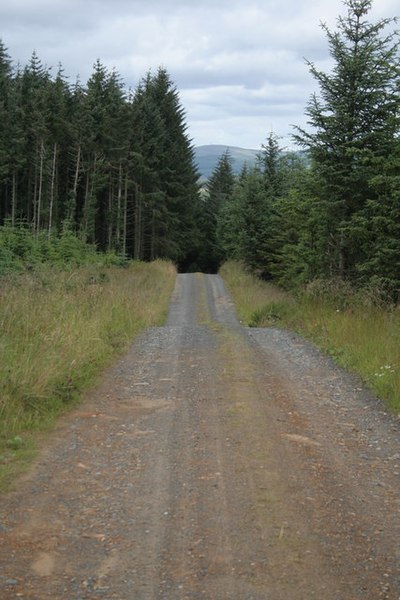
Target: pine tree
x: 212, y: 220
x: 178, y: 173
x: 256, y: 212
x: 5, y: 129
x: 230, y: 221
x: 16, y: 149
x: 270, y: 160
x: 355, y: 121
x: 119, y: 170
x: 58, y: 138
x: 166, y: 190
x: 34, y: 85
x: 147, y: 144
x: 94, y: 211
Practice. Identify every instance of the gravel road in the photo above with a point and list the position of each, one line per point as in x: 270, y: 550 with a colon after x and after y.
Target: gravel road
x: 211, y: 462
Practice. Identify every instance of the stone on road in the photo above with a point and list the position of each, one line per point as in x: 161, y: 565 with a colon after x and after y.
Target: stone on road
x: 211, y: 462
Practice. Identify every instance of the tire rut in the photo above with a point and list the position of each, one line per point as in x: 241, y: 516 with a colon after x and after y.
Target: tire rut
x: 204, y: 466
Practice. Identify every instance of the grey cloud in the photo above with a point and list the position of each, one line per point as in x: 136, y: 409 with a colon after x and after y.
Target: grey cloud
x: 239, y: 66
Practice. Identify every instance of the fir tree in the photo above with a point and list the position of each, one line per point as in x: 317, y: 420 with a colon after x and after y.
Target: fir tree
x: 219, y: 196
x: 355, y: 121
x: 5, y: 128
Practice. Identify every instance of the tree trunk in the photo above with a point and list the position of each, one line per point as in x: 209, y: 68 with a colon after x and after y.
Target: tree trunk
x: 72, y: 203
x: 110, y: 217
x: 125, y: 221
x: 86, y: 203
x: 13, y: 199
x: 52, y: 188
x: 119, y: 198
x: 40, y: 190
x: 137, y: 253
x: 35, y: 187
x: 342, y: 255
x: 153, y: 236
x: 87, y: 225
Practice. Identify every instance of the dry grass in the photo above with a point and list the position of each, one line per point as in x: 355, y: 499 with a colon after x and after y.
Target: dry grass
x: 59, y: 329
x: 358, y: 335
x: 250, y: 294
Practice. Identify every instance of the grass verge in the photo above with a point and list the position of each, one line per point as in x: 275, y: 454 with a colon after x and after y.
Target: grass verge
x: 58, y: 329
x: 360, y: 336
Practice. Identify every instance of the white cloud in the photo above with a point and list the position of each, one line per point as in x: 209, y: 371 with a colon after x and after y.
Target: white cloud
x: 239, y: 66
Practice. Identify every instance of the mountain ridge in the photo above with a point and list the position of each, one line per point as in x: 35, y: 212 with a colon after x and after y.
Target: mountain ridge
x: 207, y: 156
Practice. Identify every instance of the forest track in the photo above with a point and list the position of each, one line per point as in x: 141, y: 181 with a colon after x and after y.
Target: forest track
x: 211, y: 462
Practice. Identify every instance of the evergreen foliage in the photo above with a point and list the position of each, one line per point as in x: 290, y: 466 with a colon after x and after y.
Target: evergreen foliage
x: 252, y: 224
x: 336, y: 215
x: 356, y: 124
x: 216, y: 202
x: 115, y: 169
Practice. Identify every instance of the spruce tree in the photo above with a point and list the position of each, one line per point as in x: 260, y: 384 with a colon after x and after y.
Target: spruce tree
x: 212, y: 220
x: 270, y: 160
x: 178, y: 173
x: 59, y: 139
x: 35, y: 81
x: 230, y: 219
x: 355, y: 121
x: 256, y: 213
x: 5, y: 129
x: 165, y: 175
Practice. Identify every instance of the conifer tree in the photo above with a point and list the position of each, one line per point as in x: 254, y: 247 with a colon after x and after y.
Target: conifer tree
x: 177, y: 170
x: 35, y: 81
x: 256, y: 212
x: 166, y: 177
x: 16, y: 150
x: 58, y: 138
x: 5, y: 128
x: 117, y: 170
x: 230, y: 220
x: 270, y: 160
x: 355, y: 122
x: 214, y: 210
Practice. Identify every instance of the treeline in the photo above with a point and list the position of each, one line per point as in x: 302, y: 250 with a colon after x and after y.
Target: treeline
x: 112, y: 166
x: 336, y: 215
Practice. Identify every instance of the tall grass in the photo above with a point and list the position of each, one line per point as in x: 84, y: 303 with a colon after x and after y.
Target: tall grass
x: 58, y: 329
x: 358, y: 334
x: 251, y: 294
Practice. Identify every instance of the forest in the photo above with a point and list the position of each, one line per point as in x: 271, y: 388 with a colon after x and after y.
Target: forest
x: 115, y: 168
x: 112, y: 166
x: 336, y: 215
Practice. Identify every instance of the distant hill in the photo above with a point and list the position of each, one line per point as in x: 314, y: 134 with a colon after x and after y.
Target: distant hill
x: 207, y: 158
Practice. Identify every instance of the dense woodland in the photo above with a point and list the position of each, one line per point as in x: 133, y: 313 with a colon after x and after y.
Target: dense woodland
x: 335, y: 216
x: 116, y: 168
x: 113, y: 166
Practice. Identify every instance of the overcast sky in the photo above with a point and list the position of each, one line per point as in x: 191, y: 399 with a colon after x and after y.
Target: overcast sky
x: 238, y: 64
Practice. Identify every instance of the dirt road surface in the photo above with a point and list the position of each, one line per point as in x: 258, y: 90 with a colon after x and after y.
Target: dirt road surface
x: 212, y: 462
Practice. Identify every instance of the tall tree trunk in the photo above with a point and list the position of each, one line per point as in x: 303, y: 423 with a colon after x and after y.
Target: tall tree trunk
x: 52, y: 188
x: 153, y: 236
x: 87, y: 221
x: 342, y: 255
x: 110, y: 217
x: 13, y: 198
x: 73, y: 197
x: 137, y: 252
x: 35, y: 188
x: 40, y: 189
x: 125, y: 221
x: 119, y: 198
x: 76, y: 177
